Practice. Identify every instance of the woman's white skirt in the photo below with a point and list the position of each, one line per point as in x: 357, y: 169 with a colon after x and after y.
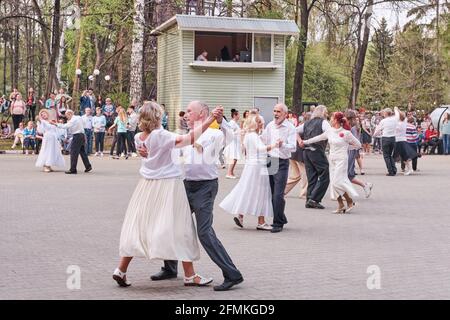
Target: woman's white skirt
x: 158, y: 223
x: 233, y: 151
x: 252, y: 194
x: 339, y: 182
x: 50, y: 153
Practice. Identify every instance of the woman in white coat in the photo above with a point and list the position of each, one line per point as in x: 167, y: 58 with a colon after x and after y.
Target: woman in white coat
x: 50, y: 153
x: 340, y: 139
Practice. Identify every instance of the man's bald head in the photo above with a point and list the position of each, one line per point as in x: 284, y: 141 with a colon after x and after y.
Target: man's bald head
x: 199, y: 106
x: 196, y: 111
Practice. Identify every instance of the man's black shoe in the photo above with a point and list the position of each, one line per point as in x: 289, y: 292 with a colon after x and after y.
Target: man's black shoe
x: 309, y: 204
x: 88, y: 169
x: 163, y: 275
x: 319, y: 206
x: 314, y: 205
x: 390, y: 174
x: 276, y: 229
x: 227, y: 284
x: 71, y: 172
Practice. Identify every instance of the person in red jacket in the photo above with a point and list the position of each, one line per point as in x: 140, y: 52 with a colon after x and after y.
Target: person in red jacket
x: 431, y: 139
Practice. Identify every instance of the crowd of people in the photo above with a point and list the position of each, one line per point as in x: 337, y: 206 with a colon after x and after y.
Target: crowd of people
x: 179, y: 171
x: 268, y: 152
x: 21, y: 122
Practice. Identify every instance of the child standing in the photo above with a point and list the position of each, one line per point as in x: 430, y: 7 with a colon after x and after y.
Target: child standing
x: 99, y: 125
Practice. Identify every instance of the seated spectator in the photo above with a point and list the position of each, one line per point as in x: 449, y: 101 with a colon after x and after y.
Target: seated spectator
x: 18, y: 136
x: 61, y: 133
x: 203, y: 56
x: 65, y: 138
x: 421, y: 138
x: 6, y: 132
x: 29, y: 138
x: 109, y: 111
x: 431, y: 139
x: 236, y: 58
x: 61, y: 107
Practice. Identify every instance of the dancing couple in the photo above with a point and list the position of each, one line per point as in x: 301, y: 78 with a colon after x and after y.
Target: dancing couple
x: 265, y: 173
x: 158, y: 223
x: 341, y: 140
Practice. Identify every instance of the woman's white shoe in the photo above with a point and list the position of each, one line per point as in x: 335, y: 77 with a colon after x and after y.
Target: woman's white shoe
x: 264, y: 226
x: 350, y: 208
x: 190, y: 281
x: 119, y: 276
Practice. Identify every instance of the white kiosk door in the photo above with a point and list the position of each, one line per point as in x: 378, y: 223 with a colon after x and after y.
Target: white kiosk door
x: 265, y: 105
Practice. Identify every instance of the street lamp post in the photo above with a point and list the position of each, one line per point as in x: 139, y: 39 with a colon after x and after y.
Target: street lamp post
x: 107, y: 78
x: 90, y: 78
x: 77, y: 88
x: 95, y: 73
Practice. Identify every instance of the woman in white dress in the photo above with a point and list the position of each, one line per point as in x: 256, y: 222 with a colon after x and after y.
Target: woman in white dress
x: 232, y: 151
x: 252, y: 194
x: 50, y: 153
x: 340, y: 139
x: 158, y: 223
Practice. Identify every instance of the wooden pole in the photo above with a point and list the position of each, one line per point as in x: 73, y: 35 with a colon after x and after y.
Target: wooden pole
x: 76, y: 81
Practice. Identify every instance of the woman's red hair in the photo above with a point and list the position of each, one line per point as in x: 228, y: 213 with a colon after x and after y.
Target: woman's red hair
x: 342, y: 120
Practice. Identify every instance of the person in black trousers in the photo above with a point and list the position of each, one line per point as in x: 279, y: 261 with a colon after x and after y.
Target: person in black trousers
x: 75, y: 127
x: 387, y: 127
x: 316, y: 162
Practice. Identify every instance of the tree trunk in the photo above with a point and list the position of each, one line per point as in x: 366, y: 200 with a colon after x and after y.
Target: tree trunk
x: 28, y: 53
x: 200, y: 10
x: 360, y: 57
x: 61, y: 49
x: 76, y: 80
x: 137, y: 52
x: 5, y: 57
x: 52, y: 81
x: 300, y: 65
x: 16, y: 71
x: 229, y: 8
x: 120, y: 43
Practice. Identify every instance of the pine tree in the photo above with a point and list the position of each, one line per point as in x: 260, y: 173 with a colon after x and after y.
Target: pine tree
x: 376, y: 79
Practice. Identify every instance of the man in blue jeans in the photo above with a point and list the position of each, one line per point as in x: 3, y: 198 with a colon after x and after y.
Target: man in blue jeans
x: 87, y: 124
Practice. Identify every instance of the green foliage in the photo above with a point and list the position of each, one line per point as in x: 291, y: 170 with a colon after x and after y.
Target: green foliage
x: 120, y: 98
x: 414, y: 78
x: 375, y: 82
x: 325, y: 79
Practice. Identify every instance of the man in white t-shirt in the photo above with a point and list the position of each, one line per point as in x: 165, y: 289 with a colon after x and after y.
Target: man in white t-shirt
x: 201, y: 183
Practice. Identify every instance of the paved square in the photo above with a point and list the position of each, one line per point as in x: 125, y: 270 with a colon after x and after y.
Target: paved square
x: 52, y: 221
